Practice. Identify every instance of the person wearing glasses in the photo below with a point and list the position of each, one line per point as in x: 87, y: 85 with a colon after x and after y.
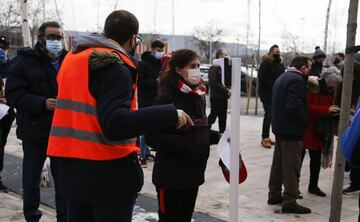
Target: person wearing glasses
x: 96, y: 123
x: 31, y: 88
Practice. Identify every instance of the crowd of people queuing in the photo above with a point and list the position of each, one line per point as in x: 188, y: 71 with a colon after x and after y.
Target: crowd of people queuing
x: 85, y: 109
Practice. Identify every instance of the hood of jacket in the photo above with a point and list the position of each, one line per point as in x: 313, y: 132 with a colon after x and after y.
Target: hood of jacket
x: 269, y: 58
x: 85, y: 41
x: 99, y: 60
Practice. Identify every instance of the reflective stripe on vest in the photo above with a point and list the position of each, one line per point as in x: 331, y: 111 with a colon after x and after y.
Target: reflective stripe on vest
x: 76, y: 131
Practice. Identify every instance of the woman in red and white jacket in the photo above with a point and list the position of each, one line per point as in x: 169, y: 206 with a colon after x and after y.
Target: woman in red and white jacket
x: 322, y: 111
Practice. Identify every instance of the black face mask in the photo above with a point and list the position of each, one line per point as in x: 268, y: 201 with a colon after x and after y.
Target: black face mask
x: 276, y: 57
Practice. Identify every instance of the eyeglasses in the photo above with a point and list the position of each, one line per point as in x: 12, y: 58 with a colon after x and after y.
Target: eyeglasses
x: 138, y: 40
x: 54, y: 37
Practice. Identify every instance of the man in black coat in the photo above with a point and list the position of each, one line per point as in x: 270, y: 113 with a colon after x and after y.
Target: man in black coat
x: 219, y: 94
x: 319, y: 58
x: 270, y: 69
x: 289, y: 123
x: 32, y: 89
x: 149, y: 71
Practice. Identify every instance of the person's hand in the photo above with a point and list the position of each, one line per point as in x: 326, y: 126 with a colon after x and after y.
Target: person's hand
x: 50, y: 104
x: 183, y: 119
x: 334, y: 109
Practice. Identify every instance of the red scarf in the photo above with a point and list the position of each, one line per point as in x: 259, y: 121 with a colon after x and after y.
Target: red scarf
x: 199, y: 90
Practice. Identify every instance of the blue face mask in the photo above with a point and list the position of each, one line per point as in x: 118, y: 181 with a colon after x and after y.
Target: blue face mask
x: 54, y: 47
x: 3, y: 56
x: 158, y: 55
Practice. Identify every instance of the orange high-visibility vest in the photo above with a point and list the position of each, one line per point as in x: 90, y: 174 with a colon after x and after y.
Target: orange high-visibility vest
x: 76, y: 131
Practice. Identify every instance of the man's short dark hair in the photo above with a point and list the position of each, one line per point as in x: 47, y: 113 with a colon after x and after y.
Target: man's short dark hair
x: 120, y: 25
x: 45, y: 25
x: 340, y: 54
x: 300, y: 61
x: 157, y: 44
x: 273, y: 47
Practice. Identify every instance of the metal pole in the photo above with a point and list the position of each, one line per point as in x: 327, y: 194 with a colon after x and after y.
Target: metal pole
x: 258, y: 59
x: 235, y: 139
x: 336, y: 195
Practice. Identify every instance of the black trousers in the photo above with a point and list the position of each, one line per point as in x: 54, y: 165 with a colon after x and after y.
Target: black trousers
x: 99, y: 212
x: 33, y: 161
x: 315, y: 165
x: 267, y: 119
x: 355, y: 176
x: 218, y: 109
x: 5, y: 127
x: 176, y: 205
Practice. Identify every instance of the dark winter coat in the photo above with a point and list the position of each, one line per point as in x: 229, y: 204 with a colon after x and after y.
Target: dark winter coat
x: 110, y: 83
x: 32, y: 80
x: 182, y: 154
x: 149, y: 71
x: 269, y: 71
x: 217, y: 88
x: 289, y: 106
x: 5, y: 68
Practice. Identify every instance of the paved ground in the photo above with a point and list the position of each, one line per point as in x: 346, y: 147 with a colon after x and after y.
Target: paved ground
x: 213, y: 196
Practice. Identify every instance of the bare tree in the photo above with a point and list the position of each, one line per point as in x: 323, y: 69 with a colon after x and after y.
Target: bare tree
x: 10, y: 15
x: 290, y: 42
x: 25, y: 24
x: 327, y: 25
x: 208, y: 39
x: 336, y: 195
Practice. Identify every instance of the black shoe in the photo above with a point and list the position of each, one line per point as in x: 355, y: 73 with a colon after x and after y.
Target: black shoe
x: 3, y: 188
x: 316, y: 190
x: 299, y: 195
x: 275, y: 200
x: 351, y: 189
x: 294, y: 208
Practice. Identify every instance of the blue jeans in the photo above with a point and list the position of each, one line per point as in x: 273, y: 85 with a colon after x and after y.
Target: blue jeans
x: 33, y: 161
x: 144, y: 149
x: 99, y: 212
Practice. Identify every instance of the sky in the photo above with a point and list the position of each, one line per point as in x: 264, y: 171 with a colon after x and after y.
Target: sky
x: 282, y: 21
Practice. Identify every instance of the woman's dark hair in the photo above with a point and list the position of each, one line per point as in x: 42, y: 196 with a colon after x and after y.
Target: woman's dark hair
x: 120, y: 25
x: 45, y: 25
x: 300, y: 61
x: 180, y: 58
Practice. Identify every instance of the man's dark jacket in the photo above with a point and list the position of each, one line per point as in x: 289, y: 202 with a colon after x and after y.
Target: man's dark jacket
x: 290, y: 106
x: 217, y: 88
x: 149, y: 70
x: 269, y: 71
x: 32, y: 80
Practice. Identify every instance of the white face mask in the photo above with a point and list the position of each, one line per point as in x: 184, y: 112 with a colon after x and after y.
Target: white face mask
x: 158, y: 55
x: 194, y: 76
